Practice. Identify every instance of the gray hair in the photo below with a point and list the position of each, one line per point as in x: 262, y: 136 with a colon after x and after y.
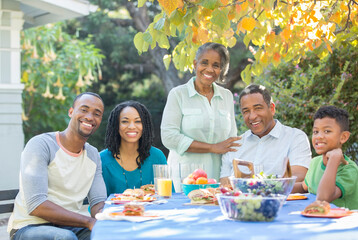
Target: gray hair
x: 222, y: 51
x: 254, y: 88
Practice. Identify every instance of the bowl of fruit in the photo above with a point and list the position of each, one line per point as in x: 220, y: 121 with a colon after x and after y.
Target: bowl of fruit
x: 261, y: 184
x: 250, y: 207
x: 196, y: 180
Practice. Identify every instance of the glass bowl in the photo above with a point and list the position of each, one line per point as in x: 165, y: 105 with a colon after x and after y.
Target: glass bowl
x: 250, y: 207
x: 187, y: 188
x: 264, y: 186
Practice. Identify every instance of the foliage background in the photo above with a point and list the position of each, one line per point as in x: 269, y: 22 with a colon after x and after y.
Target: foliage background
x: 298, y: 90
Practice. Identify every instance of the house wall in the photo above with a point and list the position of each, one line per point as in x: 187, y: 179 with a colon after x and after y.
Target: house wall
x: 11, y: 133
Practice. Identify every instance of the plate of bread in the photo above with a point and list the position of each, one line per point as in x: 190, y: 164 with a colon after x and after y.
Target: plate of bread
x: 203, y: 197
x: 133, y: 212
x: 322, y: 209
x: 130, y: 195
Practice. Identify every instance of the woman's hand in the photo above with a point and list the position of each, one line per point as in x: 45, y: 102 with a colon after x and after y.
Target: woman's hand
x: 226, y: 146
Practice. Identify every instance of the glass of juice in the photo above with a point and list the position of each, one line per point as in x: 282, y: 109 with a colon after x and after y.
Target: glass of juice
x: 164, y: 187
x: 161, y: 171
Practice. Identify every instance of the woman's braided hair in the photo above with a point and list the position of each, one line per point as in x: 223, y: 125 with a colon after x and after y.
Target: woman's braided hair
x: 113, y: 139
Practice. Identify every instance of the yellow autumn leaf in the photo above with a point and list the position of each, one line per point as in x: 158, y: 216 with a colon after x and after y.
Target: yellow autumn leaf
x: 195, y: 34
x: 225, y: 2
x: 170, y: 5
x: 319, y: 33
x: 25, y: 77
x: 270, y: 38
x: 239, y: 28
x: 328, y: 46
x: 344, y: 7
x: 309, y: 45
x: 318, y: 43
x: 264, y: 58
x: 276, y: 57
x: 336, y: 17
x: 202, y: 35
x: 248, y: 23
x: 244, y: 5
x: 268, y: 14
x: 286, y: 34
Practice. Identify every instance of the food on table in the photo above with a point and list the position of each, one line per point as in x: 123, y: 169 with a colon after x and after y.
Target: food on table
x: 318, y: 207
x: 229, y: 192
x: 199, y: 173
x: 249, y: 207
x: 199, y: 176
x: 201, y: 180
x: 148, y: 189
x: 211, y: 181
x: 133, y: 209
x: 264, y: 185
x: 202, y: 196
x: 293, y: 197
x: 134, y: 193
x: 189, y: 180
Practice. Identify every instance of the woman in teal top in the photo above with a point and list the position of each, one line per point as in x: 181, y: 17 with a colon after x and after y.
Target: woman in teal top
x: 127, y: 161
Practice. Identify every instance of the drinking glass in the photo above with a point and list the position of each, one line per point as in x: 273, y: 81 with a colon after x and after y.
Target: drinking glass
x: 162, y: 180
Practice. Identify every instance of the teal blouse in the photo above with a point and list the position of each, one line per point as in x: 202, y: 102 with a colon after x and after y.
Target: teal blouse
x: 118, y: 179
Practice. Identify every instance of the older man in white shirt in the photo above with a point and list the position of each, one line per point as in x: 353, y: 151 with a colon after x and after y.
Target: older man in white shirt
x: 268, y: 142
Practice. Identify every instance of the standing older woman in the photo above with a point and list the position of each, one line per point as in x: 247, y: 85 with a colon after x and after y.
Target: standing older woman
x: 128, y: 160
x: 198, y: 124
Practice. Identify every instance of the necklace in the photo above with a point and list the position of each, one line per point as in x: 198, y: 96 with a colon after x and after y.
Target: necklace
x: 125, y: 175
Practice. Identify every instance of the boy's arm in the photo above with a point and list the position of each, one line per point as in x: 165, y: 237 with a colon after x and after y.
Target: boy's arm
x: 300, y: 187
x: 327, y: 189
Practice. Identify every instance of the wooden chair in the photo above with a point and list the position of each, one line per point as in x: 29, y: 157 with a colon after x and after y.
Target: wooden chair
x: 238, y: 173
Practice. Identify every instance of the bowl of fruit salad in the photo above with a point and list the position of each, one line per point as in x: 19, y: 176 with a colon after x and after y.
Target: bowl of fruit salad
x: 196, y: 180
x: 249, y: 207
x: 261, y: 184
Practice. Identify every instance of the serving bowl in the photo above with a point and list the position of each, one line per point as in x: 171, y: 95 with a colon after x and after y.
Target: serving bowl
x: 264, y: 186
x: 187, y: 188
x: 250, y: 207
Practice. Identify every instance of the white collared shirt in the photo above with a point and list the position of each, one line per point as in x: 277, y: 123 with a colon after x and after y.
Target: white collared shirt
x: 271, y: 150
x: 189, y: 116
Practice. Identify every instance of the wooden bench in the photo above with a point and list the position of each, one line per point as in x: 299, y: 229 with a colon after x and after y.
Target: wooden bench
x: 5, y: 197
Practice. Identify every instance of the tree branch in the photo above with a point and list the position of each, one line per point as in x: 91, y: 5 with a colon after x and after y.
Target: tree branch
x: 123, y: 22
x: 348, y: 18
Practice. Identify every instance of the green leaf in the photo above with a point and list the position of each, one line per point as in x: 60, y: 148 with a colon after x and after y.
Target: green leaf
x: 141, y: 3
x: 138, y: 42
x: 166, y: 60
x: 247, y: 40
x: 210, y: 4
x: 147, y: 37
x: 176, y: 18
x: 163, y: 41
x: 220, y: 19
x: 160, y: 24
x: 246, y: 75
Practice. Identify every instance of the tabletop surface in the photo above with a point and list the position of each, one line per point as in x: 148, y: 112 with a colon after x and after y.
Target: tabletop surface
x: 183, y: 221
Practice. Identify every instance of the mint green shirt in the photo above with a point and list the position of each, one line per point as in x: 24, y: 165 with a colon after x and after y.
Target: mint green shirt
x: 189, y: 116
x: 346, y: 180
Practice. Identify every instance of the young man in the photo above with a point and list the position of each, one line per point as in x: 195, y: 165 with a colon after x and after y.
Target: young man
x: 268, y: 142
x: 332, y: 175
x: 58, y: 170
